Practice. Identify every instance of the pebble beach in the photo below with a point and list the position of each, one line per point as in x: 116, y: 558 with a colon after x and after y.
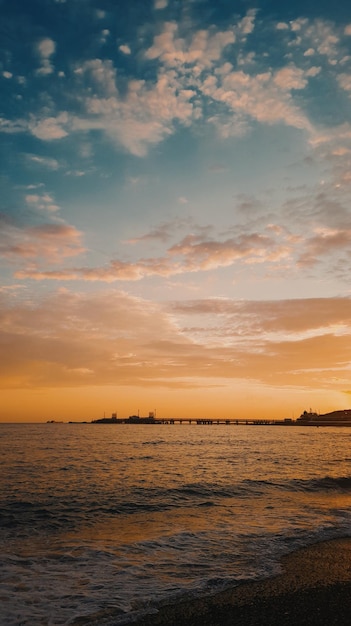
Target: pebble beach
x: 313, y: 588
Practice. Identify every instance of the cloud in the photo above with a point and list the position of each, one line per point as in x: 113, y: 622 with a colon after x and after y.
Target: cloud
x: 203, y: 48
x: 148, y: 112
x: 50, y: 128
x: 191, y: 79
x: 193, y: 253
x: 345, y: 81
x: 164, y: 232
x: 300, y: 342
x: 13, y: 126
x: 247, y: 24
x: 46, y: 242
x: 322, y: 37
x: 76, y: 340
x: 125, y: 49
x: 160, y: 4
x: 323, y: 243
x: 48, y: 162
x: 295, y: 319
x: 270, y: 245
x: 102, y: 75
x: 145, y: 115
x: 264, y: 97
x: 43, y: 202
x: 45, y: 48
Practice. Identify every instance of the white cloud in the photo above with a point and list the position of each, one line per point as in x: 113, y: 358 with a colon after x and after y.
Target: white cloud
x: 45, y: 49
x: 125, y: 49
x: 144, y: 116
x: 290, y: 77
x: 104, y: 35
x: 297, y: 24
x: 247, y: 24
x: 49, y: 128
x: 265, y: 97
x: 204, y: 47
x: 345, y: 81
x: 313, y: 71
x: 160, y: 4
x: 102, y: 74
x: 347, y: 30
x: 282, y: 26
x: 323, y: 38
x: 51, y: 164
x: 43, y: 202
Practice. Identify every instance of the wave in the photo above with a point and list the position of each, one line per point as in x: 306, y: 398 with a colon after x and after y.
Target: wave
x: 73, y: 510
x: 340, y: 484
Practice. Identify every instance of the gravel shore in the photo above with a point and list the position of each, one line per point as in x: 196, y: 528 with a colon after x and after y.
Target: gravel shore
x: 314, y: 588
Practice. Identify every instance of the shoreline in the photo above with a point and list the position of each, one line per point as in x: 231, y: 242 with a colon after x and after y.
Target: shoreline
x: 314, y: 588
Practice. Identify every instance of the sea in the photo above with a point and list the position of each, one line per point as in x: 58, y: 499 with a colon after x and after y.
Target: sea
x: 102, y: 523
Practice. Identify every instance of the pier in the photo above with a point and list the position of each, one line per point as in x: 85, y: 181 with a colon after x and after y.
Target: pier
x: 307, y: 418
x: 202, y: 421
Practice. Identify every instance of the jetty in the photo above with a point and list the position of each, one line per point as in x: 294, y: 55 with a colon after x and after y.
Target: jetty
x: 189, y: 420
x: 307, y: 418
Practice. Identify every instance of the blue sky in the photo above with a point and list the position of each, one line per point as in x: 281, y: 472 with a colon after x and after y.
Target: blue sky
x: 187, y: 166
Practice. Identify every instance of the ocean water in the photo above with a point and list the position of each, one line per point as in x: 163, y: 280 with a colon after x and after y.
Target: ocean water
x: 100, y: 523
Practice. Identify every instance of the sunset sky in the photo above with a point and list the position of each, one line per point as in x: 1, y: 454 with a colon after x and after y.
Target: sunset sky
x: 175, y: 208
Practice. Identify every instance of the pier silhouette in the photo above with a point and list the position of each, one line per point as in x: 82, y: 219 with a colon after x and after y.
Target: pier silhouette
x: 307, y: 418
x: 203, y: 421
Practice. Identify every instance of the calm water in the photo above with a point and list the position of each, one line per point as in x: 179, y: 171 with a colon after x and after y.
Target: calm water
x: 103, y: 521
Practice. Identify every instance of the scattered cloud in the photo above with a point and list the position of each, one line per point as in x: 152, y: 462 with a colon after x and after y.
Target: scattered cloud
x: 202, y: 251
x: 204, y: 47
x: 43, y: 202
x: 194, y: 81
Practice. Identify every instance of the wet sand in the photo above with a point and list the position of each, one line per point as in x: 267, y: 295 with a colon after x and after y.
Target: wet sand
x: 314, y: 588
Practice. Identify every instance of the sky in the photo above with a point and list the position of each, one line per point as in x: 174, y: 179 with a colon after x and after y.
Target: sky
x: 175, y: 219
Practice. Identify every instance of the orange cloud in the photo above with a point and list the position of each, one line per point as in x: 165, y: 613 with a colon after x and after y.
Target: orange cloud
x: 193, y: 253
x: 325, y: 242
x: 51, y: 242
x: 71, y: 339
